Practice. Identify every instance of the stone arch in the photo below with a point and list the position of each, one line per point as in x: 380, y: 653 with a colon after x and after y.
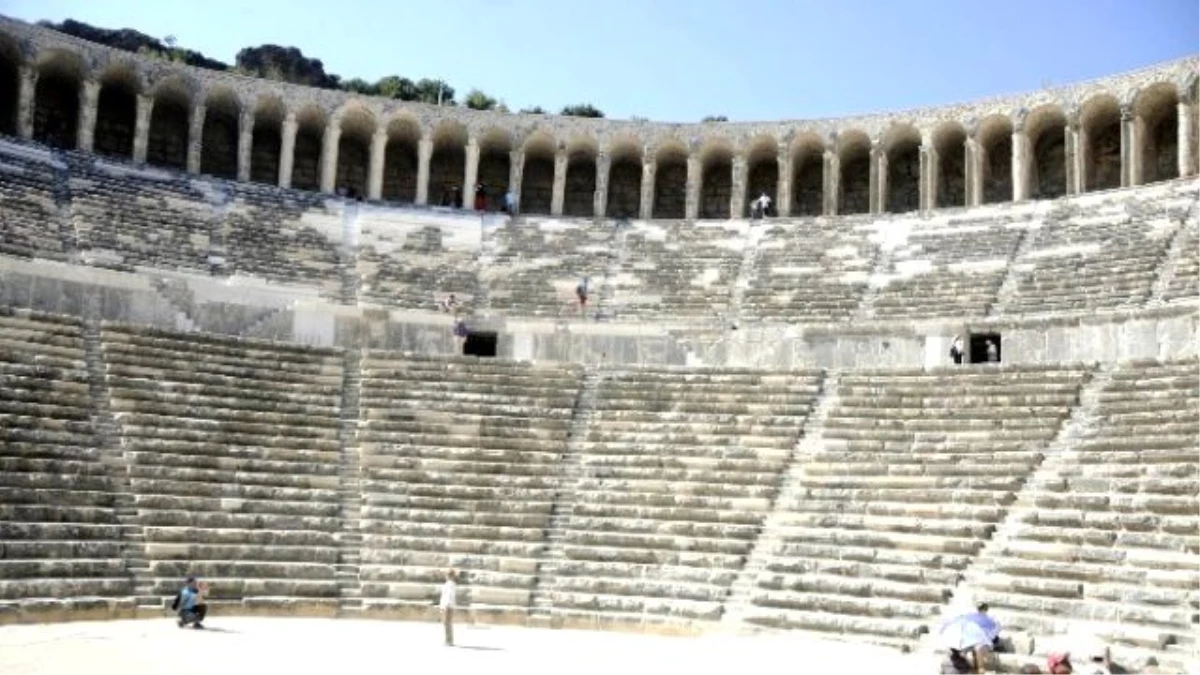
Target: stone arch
x: 854, y: 186
x: 10, y: 84
x: 1156, y: 107
x: 949, y: 142
x: 56, y: 98
x: 447, y: 164
x: 1100, y: 126
x: 306, y: 154
x: 1045, y: 127
x: 624, y: 179
x: 902, y: 147
x: 357, y: 127
x: 537, y: 174
x: 716, y: 180
x: 808, y: 175
x: 495, y: 164
x: 116, y: 110
x: 400, y: 159
x: 670, y: 180
x: 994, y: 139
x: 580, y: 190
x: 167, y: 144
x: 219, y: 140
x: 266, y: 142
x: 762, y: 172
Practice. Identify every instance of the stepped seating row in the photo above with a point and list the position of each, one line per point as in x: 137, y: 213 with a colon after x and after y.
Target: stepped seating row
x: 1109, y: 538
x: 277, y: 237
x: 460, y: 468
x: 537, y: 264
x: 30, y: 225
x: 914, y: 471
x: 1185, y: 285
x: 809, y: 270
x: 678, y: 269
x: 413, y: 274
x: 232, y: 453
x: 60, y: 540
x: 677, y: 471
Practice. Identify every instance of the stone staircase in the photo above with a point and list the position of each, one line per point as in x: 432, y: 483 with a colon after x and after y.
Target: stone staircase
x: 346, y: 571
x: 810, y: 439
x: 1011, y: 276
x: 879, y: 266
x: 62, y: 204
x: 1166, y: 271
x: 179, y: 299
x: 108, y: 432
x: 541, y: 604
x: 737, y: 292
x: 604, y: 303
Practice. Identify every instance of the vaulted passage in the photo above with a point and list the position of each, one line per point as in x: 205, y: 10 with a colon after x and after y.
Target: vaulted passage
x: 219, y: 148
x: 354, y: 152
x: 995, y: 142
x: 1048, y: 170
x: 904, y: 177
x: 168, y: 141
x: 306, y: 158
x: 808, y: 182
x: 447, y: 165
x: 1103, y: 151
x: 494, y: 167
x: 56, y: 109
x: 855, y: 189
x: 952, y: 182
x: 537, y: 180
x: 670, y: 184
x: 762, y: 178
x: 580, y: 190
x: 265, y: 146
x: 716, y: 184
x: 9, y: 85
x: 624, y: 186
x: 116, y: 120
x: 1158, y: 109
x: 400, y: 162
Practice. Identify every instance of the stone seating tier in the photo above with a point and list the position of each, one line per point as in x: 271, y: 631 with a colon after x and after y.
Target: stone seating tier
x: 537, y: 264
x: 30, y: 225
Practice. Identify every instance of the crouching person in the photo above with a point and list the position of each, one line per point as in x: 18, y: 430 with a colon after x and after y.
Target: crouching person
x: 190, y: 605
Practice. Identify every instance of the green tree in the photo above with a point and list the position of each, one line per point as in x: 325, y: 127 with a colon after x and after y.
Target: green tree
x: 477, y: 100
x: 360, y: 86
x: 582, y: 110
x: 399, y: 88
x: 428, y: 91
x: 715, y: 118
x: 535, y: 110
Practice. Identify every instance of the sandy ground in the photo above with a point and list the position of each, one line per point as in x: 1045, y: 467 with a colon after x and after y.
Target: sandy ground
x: 346, y: 647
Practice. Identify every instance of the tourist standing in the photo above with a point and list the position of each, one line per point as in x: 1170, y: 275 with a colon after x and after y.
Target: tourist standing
x: 446, y: 604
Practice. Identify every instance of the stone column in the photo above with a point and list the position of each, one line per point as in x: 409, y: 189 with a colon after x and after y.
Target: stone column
x: 875, y: 172
x: 1127, y: 145
x: 1137, y: 152
x: 695, y: 182
x: 424, y: 156
x: 329, y: 156
x: 1184, y: 138
x: 375, y: 165
x: 831, y: 183
x: 26, y: 89
x: 737, y: 196
x: 1020, y: 163
x: 647, y: 201
x: 783, y: 191
x: 195, y: 137
x: 559, y: 191
x: 141, y: 128
x: 600, y: 198
x: 245, y: 147
x: 927, y: 190
x: 89, y: 102
x: 287, y: 150
x: 470, y: 172
x: 1071, y: 154
x: 516, y: 178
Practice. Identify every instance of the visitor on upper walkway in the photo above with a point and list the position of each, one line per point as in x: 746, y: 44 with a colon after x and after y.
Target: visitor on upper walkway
x: 190, y: 603
x: 481, y: 197
x: 446, y: 603
x: 762, y: 206
x: 993, y: 353
x: 456, y: 198
x: 956, y: 349
x: 581, y: 292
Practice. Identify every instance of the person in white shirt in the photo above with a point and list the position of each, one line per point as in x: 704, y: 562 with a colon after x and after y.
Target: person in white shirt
x: 764, y: 205
x: 447, y: 602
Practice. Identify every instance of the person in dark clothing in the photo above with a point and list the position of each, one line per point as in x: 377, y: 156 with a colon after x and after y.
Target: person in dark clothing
x: 480, y: 197
x: 956, y: 349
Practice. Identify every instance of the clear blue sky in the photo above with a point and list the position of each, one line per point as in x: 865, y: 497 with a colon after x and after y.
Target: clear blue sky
x: 679, y: 60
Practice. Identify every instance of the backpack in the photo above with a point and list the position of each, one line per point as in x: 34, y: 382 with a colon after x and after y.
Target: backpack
x: 175, y: 602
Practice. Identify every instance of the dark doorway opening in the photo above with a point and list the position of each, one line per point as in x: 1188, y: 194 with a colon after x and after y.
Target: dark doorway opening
x: 480, y: 344
x: 979, y: 347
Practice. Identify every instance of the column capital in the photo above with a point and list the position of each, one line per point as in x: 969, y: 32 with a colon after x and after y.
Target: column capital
x: 1126, y: 112
x: 1019, y: 119
x: 380, y: 136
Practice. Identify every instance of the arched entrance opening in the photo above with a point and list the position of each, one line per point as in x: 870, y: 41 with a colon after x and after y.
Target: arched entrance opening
x: 1157, y: 109
x: 579, y: 194
x: 808, y: 176
x: 219, y: 141
x: 762, y: 174
x: 624, y: 180
x: 716, y: 182
x: 400, y: 159
x: 995, y: 144
x: 354, y: 151
x: 1046, y: 128
x: 949, y: 141
x: 670, y: 181
x: 902, y: 146
x: 116, y: 113
x: 537, y: 175
x: 306, y: 154
x: 56, y: 100
x: 495, y: 165
x: 169, y: 125
x: 1100, y: 123
x: 854, y: 187
x: 447, y: 165
x: 10, y: 85
x: 266, y: 143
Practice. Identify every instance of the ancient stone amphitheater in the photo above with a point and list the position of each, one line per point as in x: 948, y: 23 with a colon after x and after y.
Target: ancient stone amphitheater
x: 213, y: 365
